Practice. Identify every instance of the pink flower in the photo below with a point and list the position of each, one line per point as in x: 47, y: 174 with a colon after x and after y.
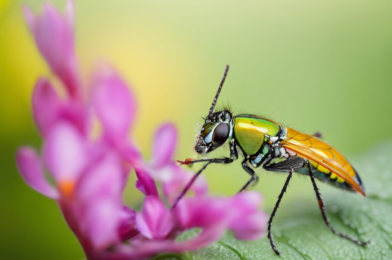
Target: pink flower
x: 212, y: 214
x: 87, y: 189
x: 155, y: 221
x: 215, y: 215
x: 145, y: 183
x: 49, y: 108
x: 115, y: 107
x: 164, y: 169
x: 30, y: 167
x: 236, y: 213
x: 54, y: 36
x: 127, y: 228
x: 114, y: 104
x: 99, y: 202
x: 89, y: 173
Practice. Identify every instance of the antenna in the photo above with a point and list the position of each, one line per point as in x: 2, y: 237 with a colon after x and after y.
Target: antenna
x: 218, y: 92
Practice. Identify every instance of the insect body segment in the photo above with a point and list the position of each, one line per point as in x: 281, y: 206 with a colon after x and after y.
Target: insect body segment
x: 265, y: 143
x: 250, y: 132
x: 324, y: 159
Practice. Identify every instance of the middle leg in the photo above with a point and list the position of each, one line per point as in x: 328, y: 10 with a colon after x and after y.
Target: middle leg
x: 274, y: 212
x: 251, y: 172
x: 289, y: 165
x: 209, y: 161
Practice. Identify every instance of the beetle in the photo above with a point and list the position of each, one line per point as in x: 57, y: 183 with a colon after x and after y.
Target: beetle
x: 267, y: 144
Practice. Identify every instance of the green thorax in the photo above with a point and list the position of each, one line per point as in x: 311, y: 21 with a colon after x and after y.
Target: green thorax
x: 249, y: 132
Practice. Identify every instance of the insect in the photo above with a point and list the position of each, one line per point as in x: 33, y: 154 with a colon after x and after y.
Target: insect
x: 267, y: 144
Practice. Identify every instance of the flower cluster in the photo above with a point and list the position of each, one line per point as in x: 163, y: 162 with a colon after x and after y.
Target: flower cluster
x: 88, y: 170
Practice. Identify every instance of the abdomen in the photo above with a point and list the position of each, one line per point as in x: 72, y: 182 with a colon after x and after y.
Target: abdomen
x: 328, y: 164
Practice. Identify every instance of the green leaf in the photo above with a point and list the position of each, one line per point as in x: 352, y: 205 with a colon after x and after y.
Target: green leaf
x: 303, y: 234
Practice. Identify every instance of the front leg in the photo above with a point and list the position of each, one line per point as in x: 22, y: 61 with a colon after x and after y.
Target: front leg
x: 223, y: 160
x: 209, y: 161
x: 188, y: 186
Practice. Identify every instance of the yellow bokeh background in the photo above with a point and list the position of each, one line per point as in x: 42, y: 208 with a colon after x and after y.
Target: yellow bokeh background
x: 311, y: 65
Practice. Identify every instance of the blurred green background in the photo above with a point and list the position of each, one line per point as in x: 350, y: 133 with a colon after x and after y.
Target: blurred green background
x: 312, y: 65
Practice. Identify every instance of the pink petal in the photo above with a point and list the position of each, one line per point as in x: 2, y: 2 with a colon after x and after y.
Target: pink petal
x: 114, y: 104
x: 239, y: 213
x: 48, y: 109
x: 176, y: 179
x: 99, y: 197
x: 250, y: 227
x: 247, y: 202
x: 77, y: 114
x: 30, y: 19
x: 46, y: 105
x: 213, y: 215
x: 127, y: 228
x: 54, y: 37
x: 200, y: 186
x: 64, y: 152
x: 203, y: 212
x: 247, y: 222
x: 145, y: 183
x: 131, y: 154
x: 70, y: 13
x: 149, y: 248
x: 31, y: 171
x: 103, y: 179
x: 155, y: 221
x: 102, y: 218
x: 165, y: 143
x: 145, y: 249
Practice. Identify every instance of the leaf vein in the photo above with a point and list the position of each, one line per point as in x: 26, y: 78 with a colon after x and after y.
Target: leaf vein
x: 232, y: 249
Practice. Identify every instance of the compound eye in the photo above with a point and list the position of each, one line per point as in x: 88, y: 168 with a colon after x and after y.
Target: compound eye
x: 207, y: 128
x: 221, y: 133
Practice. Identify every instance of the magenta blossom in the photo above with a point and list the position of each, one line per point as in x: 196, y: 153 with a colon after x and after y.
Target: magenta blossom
x: 89, y: 169
x: 54, y: 36
x: 164, y: 169
x: 87, y: 189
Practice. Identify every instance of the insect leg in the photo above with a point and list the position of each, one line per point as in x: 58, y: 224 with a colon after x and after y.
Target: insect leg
x: 187, y: 187
x: 233, y: 150
x: 254, y: 183
x: 274, y: 212
x: 322, y: 208
x: 209, y: 161
x: 213, y: 160
x: 250, y: 172
x: 289, y: 165
x: 233, y: 156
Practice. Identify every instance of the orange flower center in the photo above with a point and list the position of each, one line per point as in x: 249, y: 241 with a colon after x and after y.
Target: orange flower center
x: 66, y: 188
